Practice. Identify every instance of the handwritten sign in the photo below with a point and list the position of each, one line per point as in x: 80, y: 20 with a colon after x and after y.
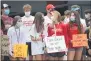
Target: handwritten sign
x: 20, y: 50
x: 4, y: 45
x: 79, y: 40
x: 55, y: 44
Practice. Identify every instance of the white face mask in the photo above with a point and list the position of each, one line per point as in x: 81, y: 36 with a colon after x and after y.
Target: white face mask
x: 19, y: 24
x: 27, y: 14
x: 72, y: 18
x: 87, y: 16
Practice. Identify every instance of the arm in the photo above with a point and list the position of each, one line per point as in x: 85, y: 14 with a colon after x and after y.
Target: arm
x: 10, y: 42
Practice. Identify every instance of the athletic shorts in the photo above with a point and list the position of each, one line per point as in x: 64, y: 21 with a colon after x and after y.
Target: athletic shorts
x: 58, y: 54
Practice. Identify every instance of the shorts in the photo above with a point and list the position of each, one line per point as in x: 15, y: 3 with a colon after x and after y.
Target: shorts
x: 75, y: 49
x: 29, y: 47
x: 58, y: 54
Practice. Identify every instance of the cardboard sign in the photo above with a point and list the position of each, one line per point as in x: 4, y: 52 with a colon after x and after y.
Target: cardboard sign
x: 4, y: 45
x: 20, y: 50
x: 55, y: 44
x: 79, y: 40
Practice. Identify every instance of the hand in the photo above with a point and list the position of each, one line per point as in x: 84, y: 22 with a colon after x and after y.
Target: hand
x: 71, y: 41
x: 33, y: 39
x: 50, y: 25
x: 54, y: 35
x: 39, y: 38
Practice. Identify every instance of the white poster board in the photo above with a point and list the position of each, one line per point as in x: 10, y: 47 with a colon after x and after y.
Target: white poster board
x: 55, y: 44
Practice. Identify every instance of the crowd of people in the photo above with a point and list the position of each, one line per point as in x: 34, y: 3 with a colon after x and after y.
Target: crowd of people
x: 31, y: 30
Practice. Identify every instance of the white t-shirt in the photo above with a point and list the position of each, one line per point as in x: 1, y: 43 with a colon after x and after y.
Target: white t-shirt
x: 16, y: 36
x: 27, y: 23
x: 47, y: 21
x: 36, y: 46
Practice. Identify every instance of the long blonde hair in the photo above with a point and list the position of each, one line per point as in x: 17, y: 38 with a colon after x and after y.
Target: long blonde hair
x: 57, y: 17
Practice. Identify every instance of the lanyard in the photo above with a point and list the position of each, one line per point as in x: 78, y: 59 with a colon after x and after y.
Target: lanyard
x: 18, y: 35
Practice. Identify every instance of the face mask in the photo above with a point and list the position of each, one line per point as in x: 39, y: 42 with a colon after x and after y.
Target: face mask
x: 27, y: 14
x: 87, y: 16
x: 19, y: 24
x: 6, y: 11
x: 72, y: 19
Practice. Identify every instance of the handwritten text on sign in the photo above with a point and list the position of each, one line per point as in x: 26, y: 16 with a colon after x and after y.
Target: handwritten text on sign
x: 20, y: 50
x: 79, y: 40
x: 55, y: 44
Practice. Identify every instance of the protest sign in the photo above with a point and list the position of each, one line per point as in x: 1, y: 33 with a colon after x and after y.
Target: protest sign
x: 20, y: 50
x: 79, y: 40
x: 55, y: 44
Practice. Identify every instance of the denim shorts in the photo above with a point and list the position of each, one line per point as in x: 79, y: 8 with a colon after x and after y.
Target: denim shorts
x: 75, y: 49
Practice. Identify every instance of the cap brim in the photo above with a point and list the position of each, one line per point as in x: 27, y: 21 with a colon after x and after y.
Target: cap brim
x: 6, y: 7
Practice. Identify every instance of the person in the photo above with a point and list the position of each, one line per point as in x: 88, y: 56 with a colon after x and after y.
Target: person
x: 27, y: 21
x: 6, y: 21
x: 16, y: 35
x: 47, y: 21
x: 67, y: 16
x: 74, y: 27
x: 88, y: 32
x: 5, y: 10
x: 57, y: 28
x: 78, y: 9
x: 36, y: 34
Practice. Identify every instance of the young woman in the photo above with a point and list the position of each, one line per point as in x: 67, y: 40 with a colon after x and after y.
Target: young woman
x: 56, y: 29
x: 74, y: 27
x: 36, y: 36
x: 16, y: 35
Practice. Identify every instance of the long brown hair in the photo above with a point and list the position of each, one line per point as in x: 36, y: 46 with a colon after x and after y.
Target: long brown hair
x: 77, y: 17
x: 39, y: 21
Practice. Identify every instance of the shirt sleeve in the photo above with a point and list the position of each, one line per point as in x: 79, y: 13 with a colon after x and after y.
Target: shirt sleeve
x: 10, y: 41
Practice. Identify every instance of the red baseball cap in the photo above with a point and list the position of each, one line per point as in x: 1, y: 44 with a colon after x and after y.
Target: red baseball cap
x: 50, y: 6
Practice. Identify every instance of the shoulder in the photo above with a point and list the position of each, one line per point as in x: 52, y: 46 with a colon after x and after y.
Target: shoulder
x: 11, y: 29
x: 45, y: 17
x: 32, y: 17
x: 22, y: 17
